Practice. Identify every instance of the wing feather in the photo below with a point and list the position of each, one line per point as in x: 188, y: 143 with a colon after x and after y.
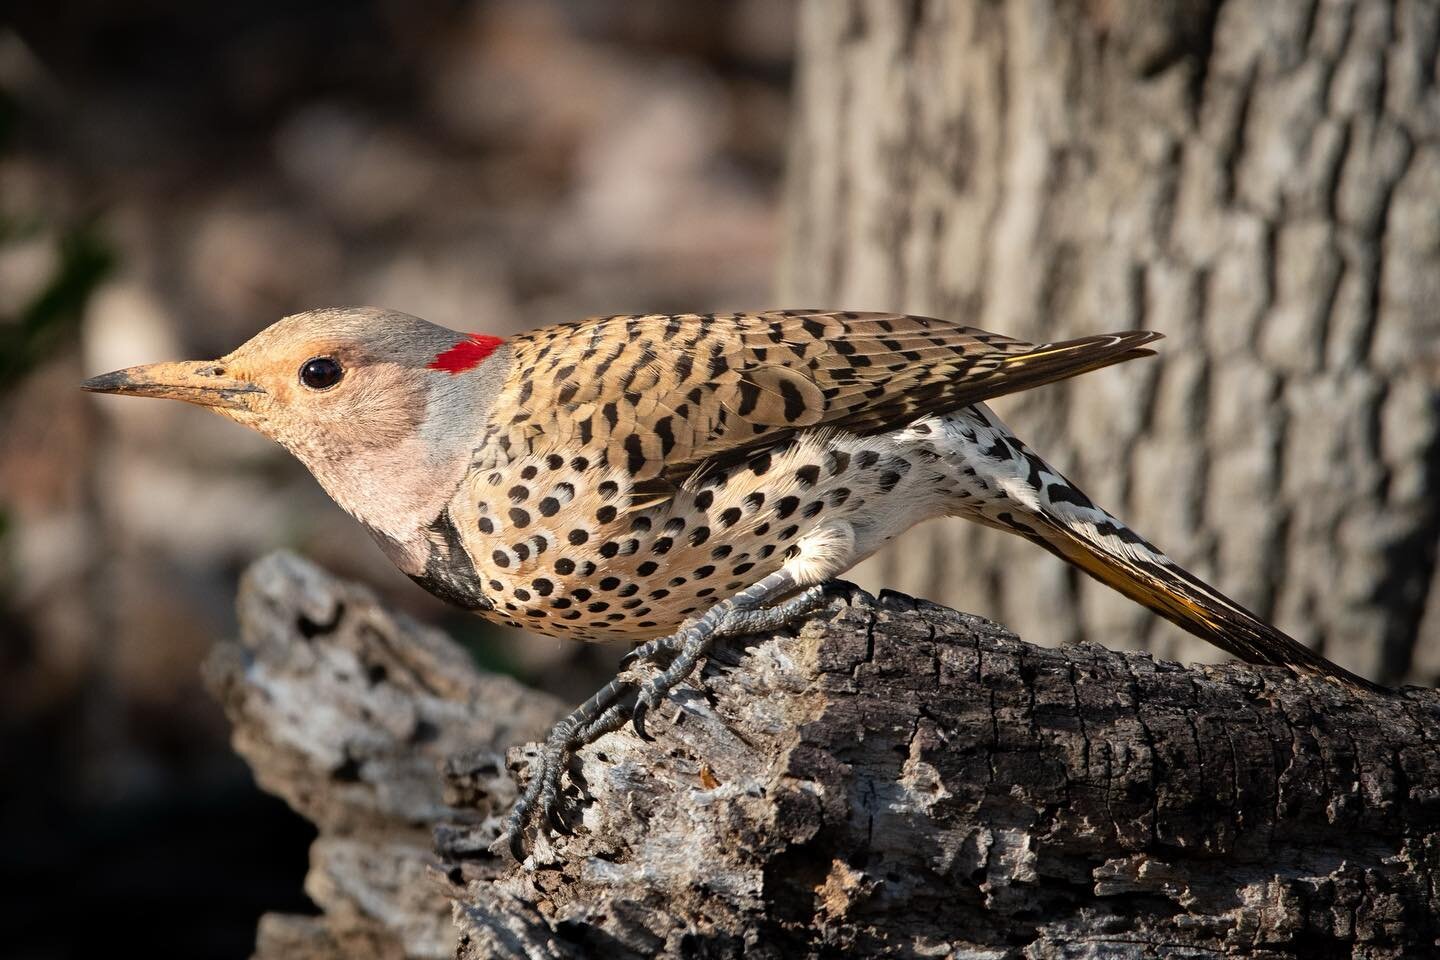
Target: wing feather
x: 662, y: 395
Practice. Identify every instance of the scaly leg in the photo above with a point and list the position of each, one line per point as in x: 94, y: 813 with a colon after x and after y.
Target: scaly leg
x: 588, y: 720
x: 741, y: 614
x: 623, y: 699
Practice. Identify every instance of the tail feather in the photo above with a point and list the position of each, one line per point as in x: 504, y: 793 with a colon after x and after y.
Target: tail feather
x: 1005, y: 484
x: 1119, y: 558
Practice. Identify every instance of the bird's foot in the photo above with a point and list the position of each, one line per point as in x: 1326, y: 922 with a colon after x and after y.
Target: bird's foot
x: 678, y: 654
x: 607, y: 710
x: 629, y: 698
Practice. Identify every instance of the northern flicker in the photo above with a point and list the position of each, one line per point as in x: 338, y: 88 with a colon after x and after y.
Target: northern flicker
x: 675, y: 478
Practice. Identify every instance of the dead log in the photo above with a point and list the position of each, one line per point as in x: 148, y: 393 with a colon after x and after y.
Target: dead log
x: 348, y: 711
x: 892, y: 778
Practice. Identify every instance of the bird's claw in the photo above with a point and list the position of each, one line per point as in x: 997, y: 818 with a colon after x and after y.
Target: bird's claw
x: 517, y: 843
x: 555, y: 816
x: 637, y: 721
x: 674, y: 658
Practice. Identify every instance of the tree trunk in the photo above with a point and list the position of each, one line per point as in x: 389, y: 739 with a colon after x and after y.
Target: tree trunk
x: 1258, y: 180
x: 895, y: 778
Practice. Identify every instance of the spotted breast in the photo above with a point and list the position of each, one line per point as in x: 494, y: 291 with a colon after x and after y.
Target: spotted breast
x: 636, y: 470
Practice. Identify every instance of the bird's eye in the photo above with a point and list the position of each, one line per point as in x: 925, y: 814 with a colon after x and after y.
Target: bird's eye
x: 320, y: 373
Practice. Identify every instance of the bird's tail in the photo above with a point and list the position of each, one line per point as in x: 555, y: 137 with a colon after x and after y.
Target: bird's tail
x: 1069, y: 525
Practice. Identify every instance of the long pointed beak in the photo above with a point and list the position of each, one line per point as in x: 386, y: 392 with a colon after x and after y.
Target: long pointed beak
x: 194, y: 381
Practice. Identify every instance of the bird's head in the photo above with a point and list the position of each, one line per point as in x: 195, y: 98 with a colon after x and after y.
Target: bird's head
x: 381, y: 406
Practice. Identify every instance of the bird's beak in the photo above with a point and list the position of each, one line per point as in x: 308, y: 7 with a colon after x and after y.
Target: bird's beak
x: 203, y: 382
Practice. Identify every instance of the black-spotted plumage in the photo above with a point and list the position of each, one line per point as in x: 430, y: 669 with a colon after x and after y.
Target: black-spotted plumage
x: 672, y: 479
x: 686, y: 457
x: 661, y: 396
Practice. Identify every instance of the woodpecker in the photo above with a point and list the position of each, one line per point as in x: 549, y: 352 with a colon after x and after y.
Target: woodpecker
x: 671, y: 479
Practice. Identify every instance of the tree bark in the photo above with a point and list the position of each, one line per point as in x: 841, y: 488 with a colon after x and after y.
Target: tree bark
x: 1260, y: 181
x: 893, y: 778
x: 347, y: 712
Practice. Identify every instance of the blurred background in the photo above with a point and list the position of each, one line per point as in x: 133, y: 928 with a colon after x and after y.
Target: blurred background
x: 175, y: 176
x: 1259, y: 181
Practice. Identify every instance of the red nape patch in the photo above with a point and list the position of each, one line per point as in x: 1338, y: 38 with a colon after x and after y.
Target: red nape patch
x: 466, y: 354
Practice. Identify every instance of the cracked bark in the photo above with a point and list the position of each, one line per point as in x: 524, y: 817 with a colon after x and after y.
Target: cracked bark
x: 1259, y: 181
x: 892, y: 778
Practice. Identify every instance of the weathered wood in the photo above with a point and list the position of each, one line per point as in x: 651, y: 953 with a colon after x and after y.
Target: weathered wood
x: 894, y: 778
x: 347, y: 712
x: 1259, y: 180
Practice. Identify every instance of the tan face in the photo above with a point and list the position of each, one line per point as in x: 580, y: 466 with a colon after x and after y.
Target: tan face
x: 320, y: 392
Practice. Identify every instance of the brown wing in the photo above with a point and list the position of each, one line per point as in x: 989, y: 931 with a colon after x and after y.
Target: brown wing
x: 661, y: 395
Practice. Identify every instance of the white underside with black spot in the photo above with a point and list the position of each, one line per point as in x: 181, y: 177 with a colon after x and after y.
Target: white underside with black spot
x: 559, y: 547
